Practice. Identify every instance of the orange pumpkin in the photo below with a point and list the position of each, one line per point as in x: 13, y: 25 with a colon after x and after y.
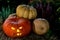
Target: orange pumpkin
x: 16, y: 27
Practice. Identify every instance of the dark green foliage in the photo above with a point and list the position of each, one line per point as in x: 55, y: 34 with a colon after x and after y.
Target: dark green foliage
x: 48, y: 34
x: 58, y: 10
x: 6, y: 12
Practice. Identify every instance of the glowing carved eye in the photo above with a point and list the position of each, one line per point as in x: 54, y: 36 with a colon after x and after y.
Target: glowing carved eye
x: 20, y: 27
x: 18, y: 30
x: 12, y: 28
x: 19, y: 34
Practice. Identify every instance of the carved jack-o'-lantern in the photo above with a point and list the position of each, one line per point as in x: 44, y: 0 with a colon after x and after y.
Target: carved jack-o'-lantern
x: 16, y: 27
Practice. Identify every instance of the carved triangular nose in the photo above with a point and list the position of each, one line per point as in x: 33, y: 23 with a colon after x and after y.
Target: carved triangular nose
x: 18, y: 30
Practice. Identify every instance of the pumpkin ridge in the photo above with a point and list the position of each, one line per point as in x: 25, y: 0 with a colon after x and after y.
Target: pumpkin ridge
x: 24, y: 8
x: 30, y: 13
x: 21, y: 8
x: 25, y: 15
x: 34, y: 13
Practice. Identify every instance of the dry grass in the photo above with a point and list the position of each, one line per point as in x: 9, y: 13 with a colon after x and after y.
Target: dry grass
x: 31, y: 36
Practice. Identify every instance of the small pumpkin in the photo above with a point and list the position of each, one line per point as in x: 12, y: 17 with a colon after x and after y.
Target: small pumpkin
x: 26, y: 11
x: 40, y: 26
x: 16, y: 27
x: 13, y: 15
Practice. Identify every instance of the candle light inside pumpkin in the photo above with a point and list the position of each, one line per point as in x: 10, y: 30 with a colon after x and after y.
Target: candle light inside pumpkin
x: 20, y: 27
x: 12, y: 28
x: 19, y: 34
x: 18, y: 30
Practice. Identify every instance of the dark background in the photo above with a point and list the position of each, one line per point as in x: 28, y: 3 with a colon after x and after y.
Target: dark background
x: 55, y: 25
x: 13, y: 3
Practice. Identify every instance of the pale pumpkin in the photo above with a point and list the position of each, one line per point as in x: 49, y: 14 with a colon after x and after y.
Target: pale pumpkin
x: 13, y: 15
x: 40, y: 26
x: 26, y: 11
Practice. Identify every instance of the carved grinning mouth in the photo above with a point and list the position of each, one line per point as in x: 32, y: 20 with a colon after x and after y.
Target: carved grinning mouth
x: 19, y: 34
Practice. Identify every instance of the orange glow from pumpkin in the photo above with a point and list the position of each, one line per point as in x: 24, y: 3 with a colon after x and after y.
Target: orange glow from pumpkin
x: 12, y: 28
x: 19, y: 34
x: 20, y: 27
x: 18, y: 30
